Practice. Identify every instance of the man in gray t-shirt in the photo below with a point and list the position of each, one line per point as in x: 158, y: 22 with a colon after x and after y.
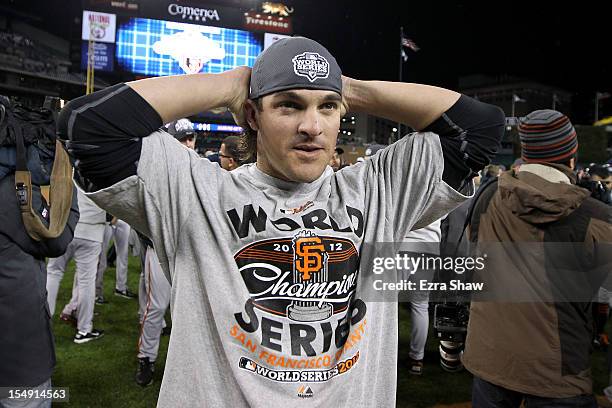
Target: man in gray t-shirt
x: 264, y: 261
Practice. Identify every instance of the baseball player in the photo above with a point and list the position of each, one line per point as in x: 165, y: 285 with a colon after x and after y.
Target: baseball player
x: 264, y: 260
x: 155, y: 298
x: 119, y: 231
x: 429, y: 237
x: 85, y: 249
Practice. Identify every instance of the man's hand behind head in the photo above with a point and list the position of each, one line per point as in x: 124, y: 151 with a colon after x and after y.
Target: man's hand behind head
x: 346, y: 93
x: 242, y: 77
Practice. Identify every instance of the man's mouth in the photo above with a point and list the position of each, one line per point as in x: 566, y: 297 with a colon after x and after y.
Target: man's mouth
x: 308, y: 148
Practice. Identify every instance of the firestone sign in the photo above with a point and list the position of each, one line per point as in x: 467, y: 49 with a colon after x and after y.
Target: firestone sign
x: 193, y: 13
x: 265, y: 22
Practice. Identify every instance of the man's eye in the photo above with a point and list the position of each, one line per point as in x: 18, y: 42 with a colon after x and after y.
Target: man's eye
x: 330, y: 106
x: 288, y: 105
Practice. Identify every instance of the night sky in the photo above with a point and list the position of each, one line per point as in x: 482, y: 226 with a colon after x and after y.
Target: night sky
x: 566, y: 45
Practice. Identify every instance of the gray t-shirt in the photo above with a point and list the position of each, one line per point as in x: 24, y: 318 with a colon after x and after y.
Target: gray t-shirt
x: 264, y: 272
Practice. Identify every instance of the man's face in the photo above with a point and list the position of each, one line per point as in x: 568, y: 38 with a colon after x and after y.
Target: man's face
x: 297, y: 131
x: 188, y: 141
x: 227, y: 162
x: 335, y: 161
x: 607, y: 182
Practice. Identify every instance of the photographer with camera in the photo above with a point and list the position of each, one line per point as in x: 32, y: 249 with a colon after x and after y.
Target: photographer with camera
x: 599, y: 182
x: 30, y: 230
x: 597, y: 178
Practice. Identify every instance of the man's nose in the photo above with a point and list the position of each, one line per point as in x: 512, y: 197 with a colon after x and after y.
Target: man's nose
x: 310, y: 123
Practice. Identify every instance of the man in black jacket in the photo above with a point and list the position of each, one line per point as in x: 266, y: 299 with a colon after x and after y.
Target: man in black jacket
x: 27, y: 354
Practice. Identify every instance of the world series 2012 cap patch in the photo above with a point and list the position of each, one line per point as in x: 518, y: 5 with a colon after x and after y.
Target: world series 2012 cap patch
x: 294, y: 63
x: 311, y: 65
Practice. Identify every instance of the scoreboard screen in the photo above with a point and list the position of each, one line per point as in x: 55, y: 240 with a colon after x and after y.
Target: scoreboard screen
x: 157, y: 48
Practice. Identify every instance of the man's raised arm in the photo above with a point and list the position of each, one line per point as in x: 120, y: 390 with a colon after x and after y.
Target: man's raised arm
x: 175, y: 97
x: 470, y: 131
x: 103, y: 130
x: 415, y: 105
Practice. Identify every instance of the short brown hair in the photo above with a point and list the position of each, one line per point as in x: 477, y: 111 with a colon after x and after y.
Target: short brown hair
x: 247, y: 146
x: 231, y: 146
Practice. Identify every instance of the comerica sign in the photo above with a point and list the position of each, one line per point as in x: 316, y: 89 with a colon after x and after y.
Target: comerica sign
x: 193, y: 13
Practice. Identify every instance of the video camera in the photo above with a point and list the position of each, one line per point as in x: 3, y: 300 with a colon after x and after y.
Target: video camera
x: 450, y: 321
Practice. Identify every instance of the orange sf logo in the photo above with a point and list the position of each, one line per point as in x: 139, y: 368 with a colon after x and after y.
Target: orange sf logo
x: 309, y: 260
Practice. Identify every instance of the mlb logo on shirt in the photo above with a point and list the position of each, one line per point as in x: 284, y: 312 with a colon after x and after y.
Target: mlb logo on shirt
x: 247, y: 364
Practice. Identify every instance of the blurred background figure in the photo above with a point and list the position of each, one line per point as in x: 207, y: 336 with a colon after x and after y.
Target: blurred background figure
x: 372, y: 149
x: 85, y: 249
x: 490, y: 172
x: 337, y: 161
x: 517, y: 164
x: 419, y: 302
x: 154, y: 288
x: 229, y: 153
x: 119, y: 232
x: 182, y: 130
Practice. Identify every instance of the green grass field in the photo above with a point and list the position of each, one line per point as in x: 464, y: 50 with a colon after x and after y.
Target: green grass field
x: 101, y: 373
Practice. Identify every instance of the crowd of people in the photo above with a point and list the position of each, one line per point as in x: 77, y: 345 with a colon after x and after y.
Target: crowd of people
x: 259, y: 249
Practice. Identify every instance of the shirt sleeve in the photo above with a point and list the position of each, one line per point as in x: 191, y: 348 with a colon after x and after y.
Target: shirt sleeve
x: 470, y: 135
x: 103, y: 134
x: 404, y: 183
x: 158, y: 200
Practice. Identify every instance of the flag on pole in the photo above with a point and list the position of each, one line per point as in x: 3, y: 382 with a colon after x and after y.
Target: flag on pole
x: 516, y: 98
x: 603, y: 95
x: 408, y: 43
x: 404, y: 56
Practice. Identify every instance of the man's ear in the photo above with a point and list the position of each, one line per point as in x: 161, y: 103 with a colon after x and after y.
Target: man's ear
x: 251, y: 114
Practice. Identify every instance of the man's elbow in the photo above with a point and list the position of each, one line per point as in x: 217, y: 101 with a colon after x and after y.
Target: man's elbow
x: 493, y: 132
x: 68, y: 116
x: 498, y: 118
x: 63, y: 119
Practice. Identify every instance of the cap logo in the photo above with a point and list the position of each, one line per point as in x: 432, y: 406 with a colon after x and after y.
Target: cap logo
x: 310, y: 65
x: 183, y: 125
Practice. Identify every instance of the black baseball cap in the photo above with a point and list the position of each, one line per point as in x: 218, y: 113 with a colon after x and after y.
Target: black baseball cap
x: 294, y: 63
x: 181, y: 129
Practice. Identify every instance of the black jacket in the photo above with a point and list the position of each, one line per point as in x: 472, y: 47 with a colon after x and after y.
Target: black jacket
x: 27, y: 355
